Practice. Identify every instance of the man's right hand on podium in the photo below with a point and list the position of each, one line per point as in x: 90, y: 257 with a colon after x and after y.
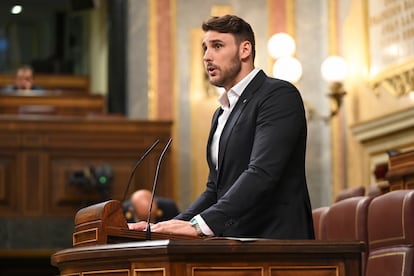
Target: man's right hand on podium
x: 141, y: 225
x: 170, y: 227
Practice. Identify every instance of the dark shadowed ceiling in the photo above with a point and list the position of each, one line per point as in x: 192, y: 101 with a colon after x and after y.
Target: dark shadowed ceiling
x: 31, y: 7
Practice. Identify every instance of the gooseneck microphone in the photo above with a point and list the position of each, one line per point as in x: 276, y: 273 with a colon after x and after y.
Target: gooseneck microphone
x: 136, y: 166
x: 154, y: 187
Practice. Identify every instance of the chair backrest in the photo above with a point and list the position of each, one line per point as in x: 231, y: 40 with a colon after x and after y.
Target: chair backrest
x: 378, y: 188
x: 391, y: 234
x: 347, y: 220
x: 318, y: 215
x: 374, y: 191
x: 351, y: 192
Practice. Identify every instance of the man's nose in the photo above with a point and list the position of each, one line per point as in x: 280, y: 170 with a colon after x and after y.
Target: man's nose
x: 207, y: 55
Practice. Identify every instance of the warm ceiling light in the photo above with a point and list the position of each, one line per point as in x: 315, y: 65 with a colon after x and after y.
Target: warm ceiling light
x: 334, y: 69
x: 281, y: 45
x: 411, y: 95
x: 16, y: 9
x: 287, y: 68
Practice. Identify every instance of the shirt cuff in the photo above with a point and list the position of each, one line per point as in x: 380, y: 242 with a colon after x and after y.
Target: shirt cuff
x: 203, y: 226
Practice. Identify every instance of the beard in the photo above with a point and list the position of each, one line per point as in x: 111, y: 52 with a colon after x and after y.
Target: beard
x: 227, y: 74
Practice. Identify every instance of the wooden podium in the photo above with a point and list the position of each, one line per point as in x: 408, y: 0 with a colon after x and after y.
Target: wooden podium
x: 400, y: 173
x: 98, y: 228
x: 104, y: 223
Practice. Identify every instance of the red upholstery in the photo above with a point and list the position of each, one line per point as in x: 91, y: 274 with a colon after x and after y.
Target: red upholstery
x: 318, y: 221
x: 391, y: 234
x: 347, y: 220
x: 374, y: 191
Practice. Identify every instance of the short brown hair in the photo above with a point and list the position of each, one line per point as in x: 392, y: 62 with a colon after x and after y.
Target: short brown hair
x: 232, y: 24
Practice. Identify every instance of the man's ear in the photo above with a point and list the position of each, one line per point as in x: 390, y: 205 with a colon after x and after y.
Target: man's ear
x: 245, y: 49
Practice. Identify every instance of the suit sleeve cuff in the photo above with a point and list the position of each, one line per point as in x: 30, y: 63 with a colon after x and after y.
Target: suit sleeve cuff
x: 203, y: 226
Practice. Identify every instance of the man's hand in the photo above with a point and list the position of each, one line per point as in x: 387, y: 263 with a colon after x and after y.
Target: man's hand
x: 174, y: 226
x: 141, y: 225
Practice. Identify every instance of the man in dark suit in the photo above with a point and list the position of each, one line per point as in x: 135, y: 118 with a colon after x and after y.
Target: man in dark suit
x: 256, y: 186
x: 24, y: 79
x: 137, y: 207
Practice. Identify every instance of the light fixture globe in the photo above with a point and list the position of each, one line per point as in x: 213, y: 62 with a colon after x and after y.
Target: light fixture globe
x: 334, y: 69
x: 16, y: 9
x: 281, y: 45
x: 287, y: 68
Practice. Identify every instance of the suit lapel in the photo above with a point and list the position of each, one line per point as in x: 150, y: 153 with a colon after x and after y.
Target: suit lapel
x: 247, y: 94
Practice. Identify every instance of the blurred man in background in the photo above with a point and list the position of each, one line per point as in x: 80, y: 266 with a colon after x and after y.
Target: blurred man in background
x: 137, y: 208
x: 24, y: 79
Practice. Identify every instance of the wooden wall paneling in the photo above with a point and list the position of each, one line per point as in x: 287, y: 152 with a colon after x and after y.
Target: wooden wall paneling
x: 65, y: 196
x: 400, y: 173
x: 38, y: 155
x: 61, y: 104
x: 31, y: 169
x: 53, y: 82
x: 9, y: 173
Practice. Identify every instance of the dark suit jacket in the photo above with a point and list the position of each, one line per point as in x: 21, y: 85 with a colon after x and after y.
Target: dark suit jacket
x: 168, y: 209
x: 259, y: 189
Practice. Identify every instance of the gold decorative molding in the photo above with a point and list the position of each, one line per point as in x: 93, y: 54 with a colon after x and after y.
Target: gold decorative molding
x: 376, y: 136
x: 150, y: 271
x: 398, y: 80
x: 390, y: 54
x: 400, y: 84
x: 385, y: 126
